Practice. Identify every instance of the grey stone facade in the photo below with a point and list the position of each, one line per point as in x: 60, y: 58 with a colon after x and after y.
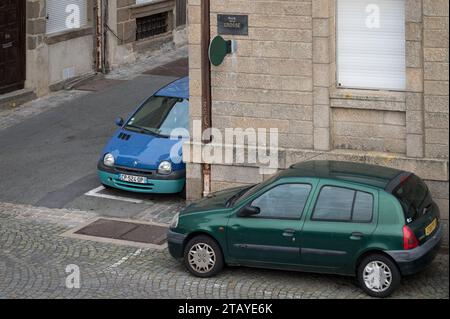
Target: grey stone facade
x: 283, y: 75
x: 123, y: 47
x: 50, y: 56
x: 47, y: 56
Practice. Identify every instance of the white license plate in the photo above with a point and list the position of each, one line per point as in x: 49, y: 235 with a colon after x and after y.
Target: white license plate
x: 133, y: 179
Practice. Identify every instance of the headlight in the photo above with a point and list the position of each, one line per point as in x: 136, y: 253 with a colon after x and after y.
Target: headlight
x: 174, y: 223
x: 108, y: 160
x: 165, y: 168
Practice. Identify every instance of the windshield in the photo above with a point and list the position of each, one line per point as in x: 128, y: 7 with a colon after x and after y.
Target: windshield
x: 160, y: 115
x: 411, y: 194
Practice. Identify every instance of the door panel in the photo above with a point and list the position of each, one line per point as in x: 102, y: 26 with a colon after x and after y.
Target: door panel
x: 268, y: 238
x: 12, y: 45
x: 329, y: 245
x: 264, y: 240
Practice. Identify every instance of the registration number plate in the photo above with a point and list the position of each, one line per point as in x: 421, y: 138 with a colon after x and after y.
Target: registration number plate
x: 431, y: 227
x: 133, y: 179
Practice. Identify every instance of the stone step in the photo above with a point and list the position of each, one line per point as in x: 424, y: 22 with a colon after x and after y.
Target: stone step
x: 16, y: 98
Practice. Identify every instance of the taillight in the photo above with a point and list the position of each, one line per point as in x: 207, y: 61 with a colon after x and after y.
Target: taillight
x: 409, y: 239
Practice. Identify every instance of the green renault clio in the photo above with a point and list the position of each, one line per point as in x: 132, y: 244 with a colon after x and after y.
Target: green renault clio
x: 373, y: 222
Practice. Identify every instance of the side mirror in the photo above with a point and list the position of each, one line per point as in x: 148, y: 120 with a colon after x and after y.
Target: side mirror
x: 119, y: 121
x: 249, y: 211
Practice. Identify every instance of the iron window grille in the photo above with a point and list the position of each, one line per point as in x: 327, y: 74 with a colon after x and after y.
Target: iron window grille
x: 151, y: 26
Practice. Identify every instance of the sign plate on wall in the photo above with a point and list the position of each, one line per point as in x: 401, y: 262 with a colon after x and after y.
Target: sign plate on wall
x: 232, y: 24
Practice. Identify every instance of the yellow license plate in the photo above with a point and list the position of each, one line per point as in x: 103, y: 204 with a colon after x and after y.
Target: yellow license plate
x: 430, y: 228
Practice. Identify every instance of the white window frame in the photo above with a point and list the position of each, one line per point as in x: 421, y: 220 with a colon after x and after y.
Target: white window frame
x: 58, y: 22
x: 362, y: 87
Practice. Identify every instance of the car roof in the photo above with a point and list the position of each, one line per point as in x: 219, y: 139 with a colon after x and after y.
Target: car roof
x: 178, y: 88
x: 371, y: 175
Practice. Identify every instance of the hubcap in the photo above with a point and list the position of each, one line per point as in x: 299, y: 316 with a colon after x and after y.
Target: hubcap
x: 202, y: 258
x: 377, y: 276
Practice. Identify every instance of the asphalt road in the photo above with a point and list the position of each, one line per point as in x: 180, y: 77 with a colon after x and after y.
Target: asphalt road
x: 50, y: 159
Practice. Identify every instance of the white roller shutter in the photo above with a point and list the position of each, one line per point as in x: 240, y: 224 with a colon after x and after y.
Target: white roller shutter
x: 63, y: 15
x: 371, y: 44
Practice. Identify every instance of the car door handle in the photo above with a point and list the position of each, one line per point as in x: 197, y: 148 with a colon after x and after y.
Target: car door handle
x: 356, y: 236
x: 288, y: 232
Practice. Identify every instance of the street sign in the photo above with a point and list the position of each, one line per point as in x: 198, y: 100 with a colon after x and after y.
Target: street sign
x: 232, y: 24
x: 218, y: 49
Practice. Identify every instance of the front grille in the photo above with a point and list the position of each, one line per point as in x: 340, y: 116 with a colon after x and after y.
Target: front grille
x: 150, y: 26
x: 132, y: 171
x: 134, y: 185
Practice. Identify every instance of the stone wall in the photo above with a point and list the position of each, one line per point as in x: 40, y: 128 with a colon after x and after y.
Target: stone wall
x: 283, y: 75
x: 122, y: 20
x: 48, y: 55
x: 436, y: 74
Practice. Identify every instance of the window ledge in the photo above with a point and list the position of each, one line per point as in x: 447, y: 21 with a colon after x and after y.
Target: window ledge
x: 368, y: 99
x: 149, y: 8
x: 369, y: 95
x: 138, y: 5
x: 68, y: 35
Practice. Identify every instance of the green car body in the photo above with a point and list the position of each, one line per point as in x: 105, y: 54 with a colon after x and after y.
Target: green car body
x: 305, y: 243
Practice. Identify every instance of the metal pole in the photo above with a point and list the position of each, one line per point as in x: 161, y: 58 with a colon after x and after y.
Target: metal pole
x: 206, y: 87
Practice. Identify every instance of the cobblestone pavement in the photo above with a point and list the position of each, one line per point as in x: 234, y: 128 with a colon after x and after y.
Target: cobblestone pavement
x: 33, y: 260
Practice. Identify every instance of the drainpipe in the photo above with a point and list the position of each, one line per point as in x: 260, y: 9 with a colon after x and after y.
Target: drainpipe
x: 99, y: 36
x: 206, y: 87
x: 105, y: 66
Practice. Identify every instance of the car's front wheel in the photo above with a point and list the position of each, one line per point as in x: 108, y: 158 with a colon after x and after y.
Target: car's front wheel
x: 378, y: 275
x: 203, y: 256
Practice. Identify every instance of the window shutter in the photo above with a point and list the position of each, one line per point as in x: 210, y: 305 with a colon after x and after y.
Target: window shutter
x: 371, y: 44
x: 57, y: 15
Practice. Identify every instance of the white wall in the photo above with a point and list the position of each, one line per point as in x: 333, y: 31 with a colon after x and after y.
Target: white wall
x: 74, y: 53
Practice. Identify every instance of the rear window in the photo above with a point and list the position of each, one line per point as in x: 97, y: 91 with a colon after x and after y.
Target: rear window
x: 412, y: 194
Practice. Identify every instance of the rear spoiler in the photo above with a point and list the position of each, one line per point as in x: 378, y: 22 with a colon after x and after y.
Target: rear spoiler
x: 397, y: 180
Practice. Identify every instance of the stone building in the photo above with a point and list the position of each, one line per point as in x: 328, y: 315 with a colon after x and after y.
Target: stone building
x: 140, y: 25
x: 353, y: 80
x: 46, y: 43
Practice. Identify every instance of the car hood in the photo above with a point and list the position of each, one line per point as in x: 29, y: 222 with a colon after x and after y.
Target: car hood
x: 214, y: 201
x: 138, y: 150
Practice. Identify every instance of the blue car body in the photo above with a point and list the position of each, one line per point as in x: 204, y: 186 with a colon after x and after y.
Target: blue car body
x: 140, y: 154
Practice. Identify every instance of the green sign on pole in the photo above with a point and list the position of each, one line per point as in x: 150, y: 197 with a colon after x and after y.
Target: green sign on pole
x: 218, y: 50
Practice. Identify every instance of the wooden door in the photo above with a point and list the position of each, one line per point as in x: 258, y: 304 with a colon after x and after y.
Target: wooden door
x: 12, y: 45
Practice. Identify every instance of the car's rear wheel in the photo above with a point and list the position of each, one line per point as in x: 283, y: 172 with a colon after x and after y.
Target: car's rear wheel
x: 378, y: 275
x: 203, y: 256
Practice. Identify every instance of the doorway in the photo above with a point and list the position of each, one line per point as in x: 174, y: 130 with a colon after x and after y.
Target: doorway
x: 12, y: 45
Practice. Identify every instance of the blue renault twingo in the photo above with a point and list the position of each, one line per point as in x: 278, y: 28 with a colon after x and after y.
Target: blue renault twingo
x: 140, y: 157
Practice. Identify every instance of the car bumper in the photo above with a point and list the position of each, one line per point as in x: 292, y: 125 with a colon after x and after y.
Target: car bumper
x: 175, y: 243
x: 153, y: 186
x: 415, y: 260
